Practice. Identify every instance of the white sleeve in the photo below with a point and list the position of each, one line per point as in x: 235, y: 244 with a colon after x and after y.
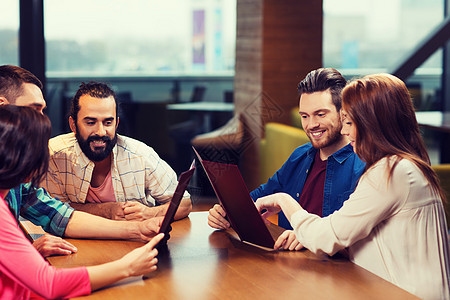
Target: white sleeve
x: 373, y: 201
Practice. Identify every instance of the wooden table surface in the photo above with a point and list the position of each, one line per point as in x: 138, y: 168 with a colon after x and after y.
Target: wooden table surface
x: 207, y: 264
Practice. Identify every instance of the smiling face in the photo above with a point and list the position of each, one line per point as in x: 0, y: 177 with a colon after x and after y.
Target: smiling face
x: 96, y: 126
x: 321, y: 122
x: 348, y: 129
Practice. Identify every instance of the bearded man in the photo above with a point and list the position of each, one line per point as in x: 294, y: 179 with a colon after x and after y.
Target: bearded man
x: 100, y: 172
x: 322, y: 174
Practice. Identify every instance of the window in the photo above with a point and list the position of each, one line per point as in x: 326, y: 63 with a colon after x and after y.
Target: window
x: 372, y: 36
x: 9, y: 32
x: 139, y: 37
x: 362, y: 36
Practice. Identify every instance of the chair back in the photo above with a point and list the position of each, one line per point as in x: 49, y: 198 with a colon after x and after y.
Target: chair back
x: 443, y: 173
x: 198, y: 93
x: 279, y: 143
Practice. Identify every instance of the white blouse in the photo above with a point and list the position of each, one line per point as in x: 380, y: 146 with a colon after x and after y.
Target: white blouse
x: 395, y: 229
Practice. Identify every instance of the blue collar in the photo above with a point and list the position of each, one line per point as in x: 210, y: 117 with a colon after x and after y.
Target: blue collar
x: 340, y: 156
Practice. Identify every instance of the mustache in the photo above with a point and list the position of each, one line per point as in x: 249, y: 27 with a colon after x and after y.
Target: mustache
x: 98, y: 138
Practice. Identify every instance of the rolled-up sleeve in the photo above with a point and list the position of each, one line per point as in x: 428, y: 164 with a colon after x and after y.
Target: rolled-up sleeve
x: 42, y: 209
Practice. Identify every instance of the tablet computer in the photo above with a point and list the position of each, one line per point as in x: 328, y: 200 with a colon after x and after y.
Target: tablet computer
x: 235, y: 199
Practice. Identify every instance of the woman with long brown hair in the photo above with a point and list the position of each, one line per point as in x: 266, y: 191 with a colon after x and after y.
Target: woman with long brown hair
x: 394, y: 223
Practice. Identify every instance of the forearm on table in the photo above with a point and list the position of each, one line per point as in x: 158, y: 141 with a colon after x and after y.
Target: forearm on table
x: 104, y: 210
x: 85, y: 225
x: 106, y: 274
x: 184, y: 209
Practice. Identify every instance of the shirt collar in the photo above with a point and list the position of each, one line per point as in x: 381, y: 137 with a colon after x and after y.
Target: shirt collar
x: 340, y: 156
x: 312, y: 151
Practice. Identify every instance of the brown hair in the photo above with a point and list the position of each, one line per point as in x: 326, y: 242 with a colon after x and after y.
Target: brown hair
x: 24, y: 135
x: 321, y: 80
x: 11, y: 80
x: 93, y: 89
x: 382, y: 111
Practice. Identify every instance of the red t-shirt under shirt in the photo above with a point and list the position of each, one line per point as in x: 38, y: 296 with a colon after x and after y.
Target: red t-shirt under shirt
x: 311, y: 198
x: 103, y: 193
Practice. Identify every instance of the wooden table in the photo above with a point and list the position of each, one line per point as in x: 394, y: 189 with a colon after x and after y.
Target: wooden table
x: 208, y: 264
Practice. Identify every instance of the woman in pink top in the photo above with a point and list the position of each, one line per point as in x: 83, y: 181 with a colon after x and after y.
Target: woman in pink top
x: 394, y: 223
x: 24, y: 135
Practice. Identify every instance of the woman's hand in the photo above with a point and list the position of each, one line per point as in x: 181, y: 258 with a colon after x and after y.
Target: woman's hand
x: 143, y: 259
x: 276, y: 202
x: 137, y: 262
x: 269, y: 204
x: 288, y: 241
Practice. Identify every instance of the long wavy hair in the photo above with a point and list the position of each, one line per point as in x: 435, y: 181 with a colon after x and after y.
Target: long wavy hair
x: 381, y: 108
x: 24, y: 135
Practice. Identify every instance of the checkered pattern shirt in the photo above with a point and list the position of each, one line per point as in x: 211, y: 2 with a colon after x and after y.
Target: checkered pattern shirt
x: 137, y: 172
x: 37, y: 206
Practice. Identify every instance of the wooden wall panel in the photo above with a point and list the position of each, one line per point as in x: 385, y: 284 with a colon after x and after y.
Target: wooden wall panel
x: 277, y: 44
x: 292, y: 46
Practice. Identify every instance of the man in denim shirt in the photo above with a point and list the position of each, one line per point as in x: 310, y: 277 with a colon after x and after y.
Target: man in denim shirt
x: 321, y: 174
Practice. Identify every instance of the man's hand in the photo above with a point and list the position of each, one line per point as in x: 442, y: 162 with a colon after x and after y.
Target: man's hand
x: 149, y: 228
x: 288, y: 241
x: 216, y: 218
x: 48, y: 245
x: 137, y: 211
x: 117, y: 212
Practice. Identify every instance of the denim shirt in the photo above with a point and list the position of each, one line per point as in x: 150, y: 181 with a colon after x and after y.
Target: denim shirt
x: 343, y: 171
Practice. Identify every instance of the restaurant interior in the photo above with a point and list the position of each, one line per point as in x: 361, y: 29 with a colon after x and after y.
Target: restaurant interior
x: 222, y: 76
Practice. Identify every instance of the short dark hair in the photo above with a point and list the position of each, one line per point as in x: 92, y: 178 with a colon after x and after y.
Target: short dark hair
x: 11, y: 80
x: 24, y: 135
x: 93, y: 89
x: 321, y: 80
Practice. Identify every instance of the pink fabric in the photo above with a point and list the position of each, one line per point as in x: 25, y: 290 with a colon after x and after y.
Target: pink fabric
x: 24, y: 271
x: 103, y: 193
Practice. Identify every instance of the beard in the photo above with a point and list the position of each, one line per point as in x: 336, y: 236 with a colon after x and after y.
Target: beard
x: 99, y: 153
x: 334, y: 135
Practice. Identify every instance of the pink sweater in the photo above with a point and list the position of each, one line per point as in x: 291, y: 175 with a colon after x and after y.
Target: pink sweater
x: 24, y: 271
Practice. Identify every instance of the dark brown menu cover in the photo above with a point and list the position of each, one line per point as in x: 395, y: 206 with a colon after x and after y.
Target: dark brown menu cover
x: 234, y: 197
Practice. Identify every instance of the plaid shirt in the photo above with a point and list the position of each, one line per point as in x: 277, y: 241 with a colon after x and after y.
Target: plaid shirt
x: 40, y: 208
x: 137, y: 172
